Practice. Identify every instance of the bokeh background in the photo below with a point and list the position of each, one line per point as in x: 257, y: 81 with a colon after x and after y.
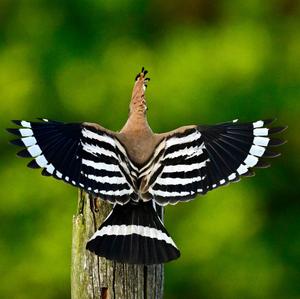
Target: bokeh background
x: 209, y: 61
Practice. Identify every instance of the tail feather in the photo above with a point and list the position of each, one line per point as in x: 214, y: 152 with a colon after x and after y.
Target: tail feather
x: 134, y: 234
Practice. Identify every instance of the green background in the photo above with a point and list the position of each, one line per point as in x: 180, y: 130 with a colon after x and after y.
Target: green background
x: 209, y: 61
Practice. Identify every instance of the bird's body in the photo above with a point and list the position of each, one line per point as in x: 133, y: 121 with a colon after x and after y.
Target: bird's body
x: 136, y: 169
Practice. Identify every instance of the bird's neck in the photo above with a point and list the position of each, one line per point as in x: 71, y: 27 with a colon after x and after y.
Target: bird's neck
x: 137, y: 120
x: 137, y: 124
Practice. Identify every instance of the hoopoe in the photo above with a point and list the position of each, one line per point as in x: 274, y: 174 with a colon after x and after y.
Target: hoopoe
x: 136, y: 170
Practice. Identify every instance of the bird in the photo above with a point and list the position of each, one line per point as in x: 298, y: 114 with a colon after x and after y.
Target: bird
x: 137, y: 170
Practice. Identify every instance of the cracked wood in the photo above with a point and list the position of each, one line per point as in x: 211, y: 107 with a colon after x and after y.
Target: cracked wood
x: 95, y: 277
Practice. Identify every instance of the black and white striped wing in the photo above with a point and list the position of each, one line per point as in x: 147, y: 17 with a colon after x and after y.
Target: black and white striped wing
x: 81, y: 155
x: 203, y: 158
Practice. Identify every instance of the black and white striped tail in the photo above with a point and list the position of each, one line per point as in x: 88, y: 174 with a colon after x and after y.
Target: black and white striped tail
x: 134, y: 234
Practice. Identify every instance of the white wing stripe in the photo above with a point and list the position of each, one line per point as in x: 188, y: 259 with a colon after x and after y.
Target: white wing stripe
x: 184, y: 167
x: 257, y: 151
x: 50, y: 168
x: 107, y: 139
x: 41, y: 161
x: 106, y: 179
x: 26, y: 132
x: 94, y: 149
x: 179, y: 181
x: 25, y: 124
x: 261, y: 132
x: 117, y: 192
x: 258, y: 124
x: 34, y: 150
x: 185, y: 139
x: 250, y: 161
x: 242, y: 169
x: 29, y: 141
x: 232, y: 176
x: 189, y: 152
x: 263, y: 141
x: 168, y: 194
x: 58, y: 174
x: 102, y: 138
x: 100, y: 165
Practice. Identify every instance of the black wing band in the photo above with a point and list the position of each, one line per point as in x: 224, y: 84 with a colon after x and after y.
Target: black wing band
x: 80, y: 155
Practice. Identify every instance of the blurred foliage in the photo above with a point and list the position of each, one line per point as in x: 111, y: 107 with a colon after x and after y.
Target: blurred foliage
x: 209, y: 61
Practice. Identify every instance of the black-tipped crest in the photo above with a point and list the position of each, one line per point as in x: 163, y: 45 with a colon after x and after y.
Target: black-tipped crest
x: 143, y: 73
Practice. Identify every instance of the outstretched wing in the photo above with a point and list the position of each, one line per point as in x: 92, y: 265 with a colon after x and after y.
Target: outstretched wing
x: 202, y: 158
x: 81, y: 154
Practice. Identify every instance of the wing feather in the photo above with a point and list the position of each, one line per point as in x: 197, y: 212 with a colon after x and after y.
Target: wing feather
x: 81, y: 154
x: 201, y: 158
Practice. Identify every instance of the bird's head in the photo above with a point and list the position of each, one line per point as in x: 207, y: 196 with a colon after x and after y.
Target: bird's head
x: 138, y: 101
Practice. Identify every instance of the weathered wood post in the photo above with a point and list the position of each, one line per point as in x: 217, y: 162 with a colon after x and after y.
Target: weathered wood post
x: 95, y: 277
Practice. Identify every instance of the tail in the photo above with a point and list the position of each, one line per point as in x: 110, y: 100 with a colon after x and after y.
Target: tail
x: 134, y: 234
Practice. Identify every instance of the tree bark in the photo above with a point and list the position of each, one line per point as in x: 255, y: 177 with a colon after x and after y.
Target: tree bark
x: 96, y: 277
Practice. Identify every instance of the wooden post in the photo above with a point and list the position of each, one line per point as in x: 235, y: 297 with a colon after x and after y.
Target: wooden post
x: 95, y: 277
